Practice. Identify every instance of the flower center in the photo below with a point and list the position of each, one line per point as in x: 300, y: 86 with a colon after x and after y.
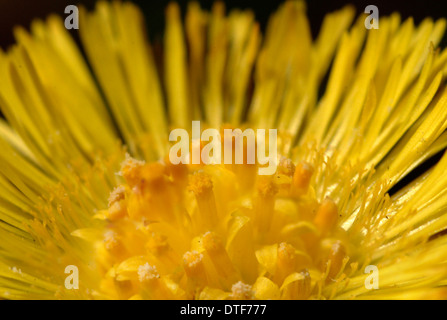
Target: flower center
x: 219, y: 232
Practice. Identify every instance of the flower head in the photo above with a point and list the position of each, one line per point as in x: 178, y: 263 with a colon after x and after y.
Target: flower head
x: 86, y: 180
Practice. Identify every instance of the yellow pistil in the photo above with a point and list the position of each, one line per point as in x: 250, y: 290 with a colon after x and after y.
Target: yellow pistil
x: 202, y: 187
x: 117, y: 206
x: 146, y: 273
x: 326, y: 217
x: 288, y: 261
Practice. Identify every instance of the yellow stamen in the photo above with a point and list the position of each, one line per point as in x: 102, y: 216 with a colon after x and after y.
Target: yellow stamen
x: 326, y: 216
x: 202, y: 186
x: 301, y: 178
x: 264, y: 205
x: 219, y: 257
x: 336, y: 257
x: 297, y: 286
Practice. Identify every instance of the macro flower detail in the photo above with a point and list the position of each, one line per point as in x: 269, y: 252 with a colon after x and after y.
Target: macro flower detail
x: 86, y: 179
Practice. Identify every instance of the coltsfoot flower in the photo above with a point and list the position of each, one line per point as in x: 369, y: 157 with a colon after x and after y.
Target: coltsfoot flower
x: 86, y: 181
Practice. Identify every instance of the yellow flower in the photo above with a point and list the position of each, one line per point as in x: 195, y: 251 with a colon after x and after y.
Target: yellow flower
x: 157, y: 230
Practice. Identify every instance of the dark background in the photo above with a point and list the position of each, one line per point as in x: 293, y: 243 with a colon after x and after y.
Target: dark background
x: 21, y: 12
